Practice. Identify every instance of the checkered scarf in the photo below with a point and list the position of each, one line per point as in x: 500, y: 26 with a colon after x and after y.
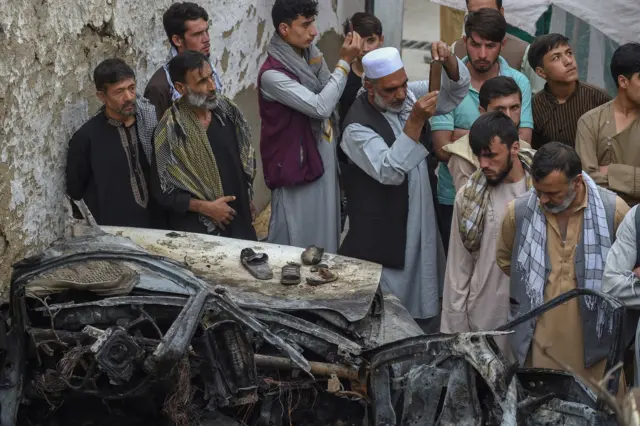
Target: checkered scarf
x: 475, y: 200
x: 146, y: 122
x: 531, y: 262
x: 184, y: 157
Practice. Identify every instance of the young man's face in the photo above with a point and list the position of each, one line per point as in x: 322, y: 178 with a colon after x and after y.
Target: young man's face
x: 475, y: 5
x: 496, y: 162
x: 196, y: 37
x: 559, y: 65
x: 483, y: 54
x: 631, y: 87
x: 510, y: 105
x: 300, y: 33
x: 120, y: 98
x: 370, y: 44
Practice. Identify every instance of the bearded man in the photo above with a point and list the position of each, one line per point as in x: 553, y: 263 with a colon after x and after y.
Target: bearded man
x: 554, y: 239
x: 484, y: 38
x: 109, y: 156
x: 387, y: 139
x: 476, y: 292
x: 204, y: 163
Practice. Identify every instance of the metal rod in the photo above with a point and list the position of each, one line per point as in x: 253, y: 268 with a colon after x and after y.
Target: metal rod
x: 317, y: 368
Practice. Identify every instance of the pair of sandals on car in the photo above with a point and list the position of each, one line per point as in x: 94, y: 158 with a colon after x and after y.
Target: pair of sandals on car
x: 258, y: 265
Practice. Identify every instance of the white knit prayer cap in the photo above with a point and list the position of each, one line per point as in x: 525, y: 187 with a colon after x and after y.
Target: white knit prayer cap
x: 382, y: 62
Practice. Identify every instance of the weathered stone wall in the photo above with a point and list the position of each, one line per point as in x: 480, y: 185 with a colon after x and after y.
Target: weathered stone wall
x: 48, y: 50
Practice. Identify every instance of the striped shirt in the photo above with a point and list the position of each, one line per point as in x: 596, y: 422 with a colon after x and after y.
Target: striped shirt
x: 555, y: 122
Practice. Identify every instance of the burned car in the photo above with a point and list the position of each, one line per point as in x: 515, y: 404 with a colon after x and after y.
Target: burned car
x: 135, y: 327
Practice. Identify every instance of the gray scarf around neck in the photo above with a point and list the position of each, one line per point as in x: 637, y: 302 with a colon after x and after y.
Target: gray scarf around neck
x: 310, y: 68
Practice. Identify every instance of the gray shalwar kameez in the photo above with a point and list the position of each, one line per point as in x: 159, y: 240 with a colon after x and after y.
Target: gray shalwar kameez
x: 308, y: 214
x: 419, y: 284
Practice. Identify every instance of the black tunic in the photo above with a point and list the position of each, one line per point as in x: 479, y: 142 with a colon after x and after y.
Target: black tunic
x: 107, y: 168
x: 223, y: 141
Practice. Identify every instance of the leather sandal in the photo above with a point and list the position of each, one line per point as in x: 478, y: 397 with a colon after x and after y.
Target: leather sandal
x: 256, y: 263
x: 290, y: 274
x: 326, y: 276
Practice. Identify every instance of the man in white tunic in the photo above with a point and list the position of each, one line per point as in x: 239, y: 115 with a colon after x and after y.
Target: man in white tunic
x: 476, y: 291
x: 298, y: 96
x: 386, y: 137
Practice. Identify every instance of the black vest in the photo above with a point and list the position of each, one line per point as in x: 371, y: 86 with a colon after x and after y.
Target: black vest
x: 377, y: 213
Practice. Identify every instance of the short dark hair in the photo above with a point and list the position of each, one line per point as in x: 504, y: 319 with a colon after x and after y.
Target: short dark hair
x: 498, y: 87
x: 175, y: 18
x: 489, y: 24
x: 288, y: 11
x: 365, y: 24
x: 111, y: 71
x: 184, y: 62
x: 554, y: 156
x: 498, y: 3
x: 487, y: 127
x: 543, y: 45
x: 625, y: 61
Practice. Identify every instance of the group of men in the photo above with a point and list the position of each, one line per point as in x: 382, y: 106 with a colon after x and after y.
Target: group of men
x: 444, y: 186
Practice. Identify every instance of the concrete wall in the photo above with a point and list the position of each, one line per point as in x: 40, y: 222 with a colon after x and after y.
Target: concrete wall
x: 391, y: 14
x: 49, y: 50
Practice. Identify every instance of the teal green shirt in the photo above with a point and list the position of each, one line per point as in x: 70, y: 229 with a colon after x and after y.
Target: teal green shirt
x: 466, y: 113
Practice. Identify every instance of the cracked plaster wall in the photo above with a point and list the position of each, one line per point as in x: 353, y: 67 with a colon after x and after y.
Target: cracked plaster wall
x: 49, y: 49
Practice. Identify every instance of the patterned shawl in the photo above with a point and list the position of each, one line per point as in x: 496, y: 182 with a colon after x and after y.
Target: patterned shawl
x: 184, y: 157
x: 475, y: 200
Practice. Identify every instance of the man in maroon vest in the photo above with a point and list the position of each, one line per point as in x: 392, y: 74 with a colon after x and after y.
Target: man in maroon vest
x: 298, y: 99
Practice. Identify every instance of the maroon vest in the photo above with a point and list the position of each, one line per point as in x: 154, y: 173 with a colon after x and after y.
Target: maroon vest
x: 288, y: 148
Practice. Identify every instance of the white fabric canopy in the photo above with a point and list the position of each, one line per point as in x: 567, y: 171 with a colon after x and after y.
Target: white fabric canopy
x: 617, y: 19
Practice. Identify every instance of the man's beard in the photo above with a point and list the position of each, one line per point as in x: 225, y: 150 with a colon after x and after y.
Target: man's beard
x: 128, y: 113
x: 483, y: 67
x: 202, y: 100
x: 503, y: 174
x: 557, y: 209
x: 380, y: 103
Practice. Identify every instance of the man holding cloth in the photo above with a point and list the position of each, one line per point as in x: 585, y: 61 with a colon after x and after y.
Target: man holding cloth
x: 386, y: 137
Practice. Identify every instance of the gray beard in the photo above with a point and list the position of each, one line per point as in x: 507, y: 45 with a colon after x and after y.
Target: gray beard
x: 380, y: 103
x: 553, y: 209
x: 201, y: 101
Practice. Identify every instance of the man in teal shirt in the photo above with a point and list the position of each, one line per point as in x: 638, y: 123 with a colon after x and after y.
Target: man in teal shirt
x: 484, y: 37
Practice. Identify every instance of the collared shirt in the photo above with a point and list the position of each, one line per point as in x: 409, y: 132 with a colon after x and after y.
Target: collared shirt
x: 600, y: 144
x: 556, y: 122
x: 560, y: 329
x: 466, y: 113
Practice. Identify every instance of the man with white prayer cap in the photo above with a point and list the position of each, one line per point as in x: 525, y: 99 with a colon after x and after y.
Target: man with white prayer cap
x: 387, y: 137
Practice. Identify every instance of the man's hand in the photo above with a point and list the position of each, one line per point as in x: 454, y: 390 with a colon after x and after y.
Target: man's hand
x: 636, y: 271
x: 219, y: 210
x: 441, y: 52
x: 423, y: 109
x: 604, y: 170
x: 351, y: 47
